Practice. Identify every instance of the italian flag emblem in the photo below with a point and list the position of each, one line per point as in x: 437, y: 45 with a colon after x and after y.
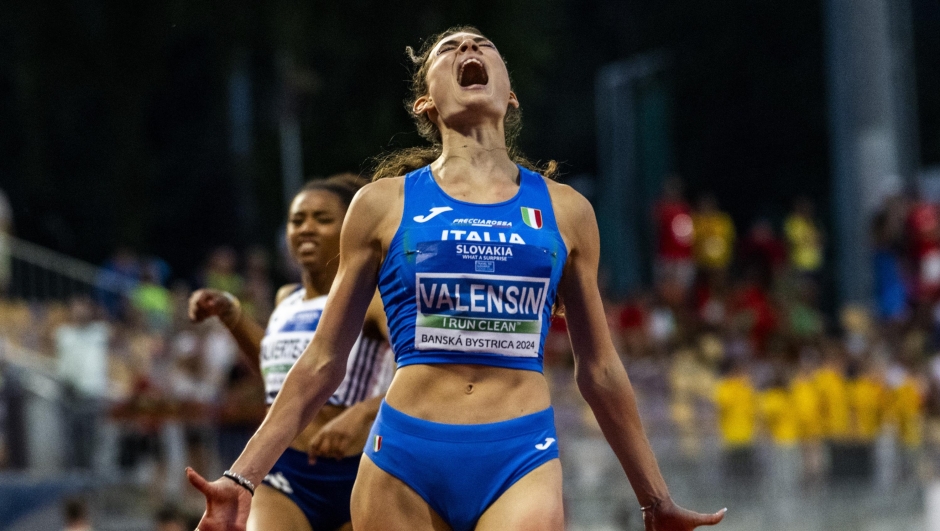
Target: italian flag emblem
x: 377, y: 443
x: 532, y: 217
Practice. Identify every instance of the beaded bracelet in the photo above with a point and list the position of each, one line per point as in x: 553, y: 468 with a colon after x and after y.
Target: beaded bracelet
x: 241, y: 480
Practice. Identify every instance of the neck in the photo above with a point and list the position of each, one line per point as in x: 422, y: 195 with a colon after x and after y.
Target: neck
x: 317, y: 283
x: 478, y: 151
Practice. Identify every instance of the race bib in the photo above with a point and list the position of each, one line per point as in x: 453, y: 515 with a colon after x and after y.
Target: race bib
x: 490, y: 299
x: 286, y: 341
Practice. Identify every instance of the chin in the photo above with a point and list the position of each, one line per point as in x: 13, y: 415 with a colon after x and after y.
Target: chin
x: 310, y: 263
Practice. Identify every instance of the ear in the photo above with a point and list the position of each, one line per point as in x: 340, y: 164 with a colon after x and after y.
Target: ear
x: 513, y: 100
x: 422, y: 105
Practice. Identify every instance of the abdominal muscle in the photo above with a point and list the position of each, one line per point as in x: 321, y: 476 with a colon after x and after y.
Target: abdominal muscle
x: 467, y: 394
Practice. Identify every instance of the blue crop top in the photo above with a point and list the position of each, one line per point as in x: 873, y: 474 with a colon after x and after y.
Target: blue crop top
x: 472, y: 283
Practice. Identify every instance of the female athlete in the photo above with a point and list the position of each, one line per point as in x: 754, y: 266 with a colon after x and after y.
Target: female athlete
x: 297, y: 495
x: 469, y: 251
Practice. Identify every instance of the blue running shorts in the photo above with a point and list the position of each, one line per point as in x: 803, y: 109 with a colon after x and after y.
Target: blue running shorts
x: 460, y: 469
x: 321, y: 490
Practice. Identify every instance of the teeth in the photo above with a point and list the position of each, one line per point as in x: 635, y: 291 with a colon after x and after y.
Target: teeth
x: 464, y: 65
x: 468, y: 61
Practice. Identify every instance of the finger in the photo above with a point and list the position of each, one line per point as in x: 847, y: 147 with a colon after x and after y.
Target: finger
x: 313, y: 451
x: 197, y: 481
x: 710, y: 519
x: 193, y: 305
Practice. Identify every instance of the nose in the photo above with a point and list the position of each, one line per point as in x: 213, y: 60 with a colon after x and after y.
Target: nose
x: 469, y: 44
x: 309, y: 226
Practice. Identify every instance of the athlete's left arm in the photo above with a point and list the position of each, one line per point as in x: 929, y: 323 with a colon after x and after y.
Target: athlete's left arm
x: 600, y: 374
x: 347, y: 433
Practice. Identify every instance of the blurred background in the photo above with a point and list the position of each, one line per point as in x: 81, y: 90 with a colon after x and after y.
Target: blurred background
x: 766, y: 177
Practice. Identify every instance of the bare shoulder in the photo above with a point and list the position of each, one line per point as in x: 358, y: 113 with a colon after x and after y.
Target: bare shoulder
x: 377, y: 208
x: 284, y: 292
x: 573, y: 212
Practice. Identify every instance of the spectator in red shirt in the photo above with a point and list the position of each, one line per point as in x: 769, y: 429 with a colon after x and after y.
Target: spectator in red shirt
x: 674, y: 237
x: 923, y: 229
x: 763, y: 254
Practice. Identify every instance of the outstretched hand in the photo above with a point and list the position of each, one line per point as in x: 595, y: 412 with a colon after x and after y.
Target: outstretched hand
x: 227, y: 504
x: 667, y: 516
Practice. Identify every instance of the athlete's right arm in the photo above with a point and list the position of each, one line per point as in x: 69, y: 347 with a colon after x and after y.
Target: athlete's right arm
x: 205, y: 303
x: 322, y: 366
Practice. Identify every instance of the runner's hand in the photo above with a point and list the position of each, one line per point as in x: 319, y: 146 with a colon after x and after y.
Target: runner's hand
x: 667, y: 516
x: 205, y: 303
x: 344, y: 435
x: 227, y: 503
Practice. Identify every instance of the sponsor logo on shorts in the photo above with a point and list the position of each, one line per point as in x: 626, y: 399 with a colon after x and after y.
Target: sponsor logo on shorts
x: 434, y: 212
x: 279, y: 482
x: 544, y: 446
x: 376, y: 443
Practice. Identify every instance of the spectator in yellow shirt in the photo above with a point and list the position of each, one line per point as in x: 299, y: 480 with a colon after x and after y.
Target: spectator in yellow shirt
x: 781, y: 420
x: 906, y: 408
x: 832, y: 390
x: 808, y: 410
x: 804, y: 238
x: 714, y: 235
x: 736, y: 402
x: 868, y: 401
x: 780, y: 415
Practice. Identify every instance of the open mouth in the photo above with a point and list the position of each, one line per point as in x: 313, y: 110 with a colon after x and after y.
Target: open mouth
x: 472, y: 72
x: 306, y: 246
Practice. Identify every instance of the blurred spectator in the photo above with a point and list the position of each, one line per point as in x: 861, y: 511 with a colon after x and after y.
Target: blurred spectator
x: 82, y: 346
x: 258, y: 292
x: 151, y: 300
x: 737, y: 408
x: 890, y: 290
x: 82, y: 349
x: 221, y: 272
x: 853, y: 457
x: 804, y: 238
x: 751, y: 314
x: 118, y: 275
x: 762, y: 253
x: 808, y: 409
x: 713, y: 236
x: 75, y: 513
x: 924, y: 244
x: 906, y: 405
x: 779, y: 413
x: 832, y: 390
x: 711, y: 301
x: 675, y: 235
x: 691, y: 380
x: 6, y: 230
x: 633, y: 324
x: 803, y: 316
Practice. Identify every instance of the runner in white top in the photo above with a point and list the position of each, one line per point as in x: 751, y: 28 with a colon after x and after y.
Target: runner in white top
x: 299, y: 495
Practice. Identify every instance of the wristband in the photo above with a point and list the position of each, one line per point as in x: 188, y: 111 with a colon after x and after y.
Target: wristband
x: 241, y: 480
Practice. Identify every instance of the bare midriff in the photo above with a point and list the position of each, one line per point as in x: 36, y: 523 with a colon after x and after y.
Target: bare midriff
x: 326, y: 414
x: 467, y: 394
